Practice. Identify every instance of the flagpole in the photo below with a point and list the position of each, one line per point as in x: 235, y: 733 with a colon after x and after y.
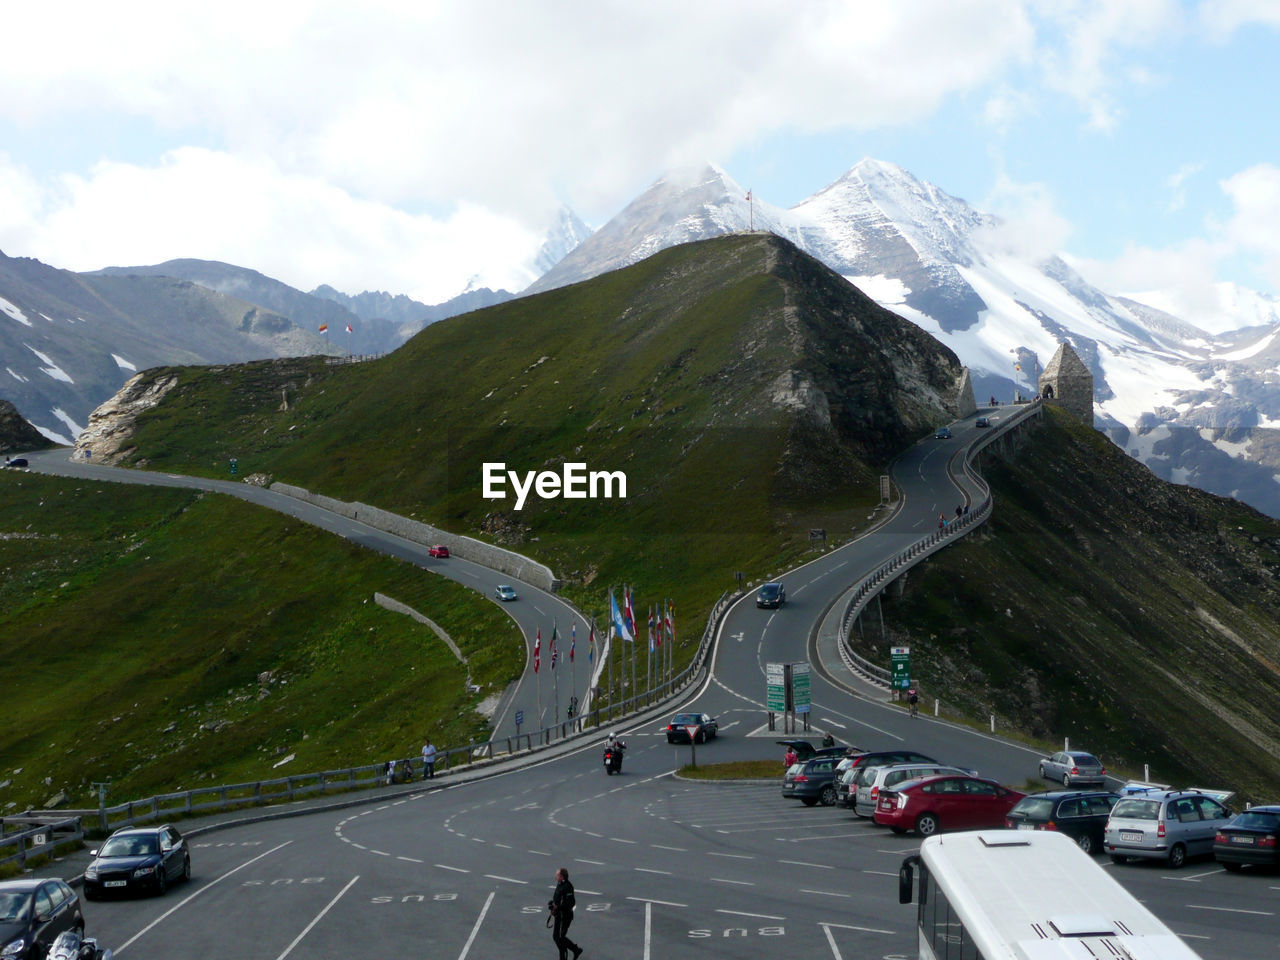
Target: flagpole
x: 631, y: 607
x: 555, y: 654
x: 573, y: 673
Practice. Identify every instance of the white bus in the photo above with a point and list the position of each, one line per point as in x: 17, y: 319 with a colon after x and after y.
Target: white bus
x: 1026, y: 895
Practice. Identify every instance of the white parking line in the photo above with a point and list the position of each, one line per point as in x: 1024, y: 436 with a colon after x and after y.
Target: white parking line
x: 740, y: 883
x: 802, y: 863
x: 494, y: 876
x: 1254, y: 913
x: 327, y: 907
x: 829, y: 893
x: 665, y: 873
x: 665, y: 903
x: 182, y: 903
x: 466, y: 947
x: 445, y: 866
x: 758, y: 916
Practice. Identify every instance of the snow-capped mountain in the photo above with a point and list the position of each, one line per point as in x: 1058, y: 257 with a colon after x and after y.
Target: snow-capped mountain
x: 1198, y: 408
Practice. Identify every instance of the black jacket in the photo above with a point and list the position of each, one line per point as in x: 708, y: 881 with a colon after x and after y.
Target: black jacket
x: 562, y: 901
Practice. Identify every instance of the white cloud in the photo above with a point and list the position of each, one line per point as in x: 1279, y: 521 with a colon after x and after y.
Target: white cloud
x: 1223, y: 17
x: 1176, y: 182
x: 1031, y: 228
x: 1254, y: 227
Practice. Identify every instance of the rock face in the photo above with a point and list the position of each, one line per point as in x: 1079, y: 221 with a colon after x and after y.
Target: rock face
x: 16, y: 434
x: 1067, y: 382
x: 966, y: 405
x: 107, y: 438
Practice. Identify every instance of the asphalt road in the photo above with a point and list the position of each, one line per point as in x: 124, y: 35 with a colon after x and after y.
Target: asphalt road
x: 664, y: 868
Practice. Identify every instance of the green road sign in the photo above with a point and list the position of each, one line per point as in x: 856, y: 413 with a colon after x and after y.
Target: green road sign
x: 775, y: 687
x: 900, y: 667
x: 800, y: 686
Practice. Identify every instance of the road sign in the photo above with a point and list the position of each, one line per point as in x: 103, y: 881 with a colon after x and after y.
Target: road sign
x: 235, y: 466
x: 884, y: 488
x: 691, y: 730
x: 775, y: 679
x: 800, y: 686
x: 900, y: 667
x: 519, y: 717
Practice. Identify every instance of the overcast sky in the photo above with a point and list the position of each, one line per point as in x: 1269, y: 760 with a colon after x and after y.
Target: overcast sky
x: 410, y: 147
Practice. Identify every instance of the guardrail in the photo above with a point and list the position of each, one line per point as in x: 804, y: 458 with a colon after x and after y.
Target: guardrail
x: 871, y: 585
x: 224, y: 797
x: 37, y: 836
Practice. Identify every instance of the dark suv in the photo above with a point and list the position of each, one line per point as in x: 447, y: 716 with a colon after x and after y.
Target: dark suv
x: 812, y: 781
x: 1080, y: 814
x: 32, y: 914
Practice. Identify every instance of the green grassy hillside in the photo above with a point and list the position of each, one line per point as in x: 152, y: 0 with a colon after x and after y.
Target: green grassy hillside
x: 1139, y: 618
x: 747, y: 392
x: 162, y: 639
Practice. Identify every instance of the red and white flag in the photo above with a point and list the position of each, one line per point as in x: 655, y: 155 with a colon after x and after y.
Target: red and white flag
x: 537, y: 651
x: 349, y: 330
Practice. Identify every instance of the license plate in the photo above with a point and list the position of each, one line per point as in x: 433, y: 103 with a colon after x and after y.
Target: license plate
x: 1242, y: 839
x: 1130, y: 837
x: 1026, y: 826
x: 115, y: 883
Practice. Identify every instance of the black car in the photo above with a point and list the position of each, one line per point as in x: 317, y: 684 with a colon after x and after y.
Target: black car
x: 1081, y: 815
x: 16, y: 462
x: 138, y: 858
x: 704, y: 728
x: 772, y: 595
x: 1249, y: 837
x: 33, y: 912
x: 982, y: 422
x: 812, y: 781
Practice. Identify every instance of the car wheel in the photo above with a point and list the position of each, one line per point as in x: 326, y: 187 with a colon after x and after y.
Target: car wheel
x: 700, y: 738
x: 162, y: 880
x: 1085, y: 843
x: 828, y: 796
x: 898, y: 831
x: 808, y: 801
x: 1042, y: 776
x: 186, y: 869
x: 1066, y: 780
x: 1230, y: 866
x: 926, y: 824
x: 1177, y: 856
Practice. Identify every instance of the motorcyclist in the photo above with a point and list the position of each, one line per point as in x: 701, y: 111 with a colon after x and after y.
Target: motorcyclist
x: 614, y: 742
x: 69, y: 945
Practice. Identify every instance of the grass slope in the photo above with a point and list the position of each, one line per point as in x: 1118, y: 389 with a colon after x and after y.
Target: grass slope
x: 1135, y: 616
x: 747, y: 392
x: 161, y: 639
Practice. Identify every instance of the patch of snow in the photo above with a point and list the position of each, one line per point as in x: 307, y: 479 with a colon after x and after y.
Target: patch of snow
x: 281, y: 763
x: 53, y: 370
x: 886, y: 291
x: 1239, y: 450
x: 65, y: 417
x: 53, y: 435
x: 47, y: 317
x: 123, y: 364
x: 8, y: 308
x: 17, y: 376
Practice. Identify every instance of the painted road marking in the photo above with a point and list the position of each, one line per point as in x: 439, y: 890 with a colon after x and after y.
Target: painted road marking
x: 318, y: 917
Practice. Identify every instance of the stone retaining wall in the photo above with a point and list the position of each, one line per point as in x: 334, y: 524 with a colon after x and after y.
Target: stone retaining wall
x: 486, y: 554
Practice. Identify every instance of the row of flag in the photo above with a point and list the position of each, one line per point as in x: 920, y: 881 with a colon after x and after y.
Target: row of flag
x: 661, y: 621
x: 324, y: 328
x: 555, y: 654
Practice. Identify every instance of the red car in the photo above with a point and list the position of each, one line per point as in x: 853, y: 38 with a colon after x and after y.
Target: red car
x: 946, y: 802
x: 438, y: 551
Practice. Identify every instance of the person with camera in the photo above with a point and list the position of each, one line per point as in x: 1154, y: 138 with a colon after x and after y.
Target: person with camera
x: 561, y: 906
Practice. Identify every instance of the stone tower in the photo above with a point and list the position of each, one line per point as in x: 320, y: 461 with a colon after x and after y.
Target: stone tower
x: 1067, y: 382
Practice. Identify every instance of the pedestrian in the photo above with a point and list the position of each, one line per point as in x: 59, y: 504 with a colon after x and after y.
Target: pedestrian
x: 790, y: 757
x: 959, y: 511
x: 942, y: 521
x: 828, y: 740
x: 966, y: 508
x: 913, y: 698
x: 561, y: 906
x: 389, y: 771
x: 428, y: 760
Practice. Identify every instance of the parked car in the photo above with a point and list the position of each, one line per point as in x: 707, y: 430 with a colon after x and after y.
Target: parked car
x: 505, y: 592
x: 704, y: 728
x: 1249, y: 837
x: 439, y: 550
x: 850, y: 768
x: 138, y: 858
x: 942, y: 433
x: 1073, y: 766
x: 872, y: 779
x: 812, y: 781
x: 982, y: 422
x: 947, y: 802
x: 1081, y: 815
x: 771, y: 595
x: 33, y: 912
x: 1164, y: 825
x: 16, y: 462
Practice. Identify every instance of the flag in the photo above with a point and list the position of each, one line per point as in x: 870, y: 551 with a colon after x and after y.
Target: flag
x: 349, y: 330
x: 629, y: 611
x: 573, y: 640
x: 324, y: 327
x: 671, y: 621
x: 748, y: 196
x: 537, y: 651
x: 554, y: 654
x: 651, y: 625
x: 619, y: 624
x: 591, y: 645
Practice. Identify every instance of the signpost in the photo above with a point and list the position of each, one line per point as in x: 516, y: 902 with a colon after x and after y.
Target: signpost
x: 800, y: 687
x: 900, y: 667
x: 775, y: 697
x: 519, y: 721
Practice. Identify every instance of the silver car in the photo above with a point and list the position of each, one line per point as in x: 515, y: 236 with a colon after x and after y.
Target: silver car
x: 1071, y: 767
x: 874, y: 779
x: 1163, y: 825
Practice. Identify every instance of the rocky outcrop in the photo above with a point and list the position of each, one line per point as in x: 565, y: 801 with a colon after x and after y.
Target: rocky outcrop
x: 16, y: 434
x: 109, y: 436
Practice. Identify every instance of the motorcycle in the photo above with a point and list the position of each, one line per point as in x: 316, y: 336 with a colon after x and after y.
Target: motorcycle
x: 69, y: 945
x: 612, y: 760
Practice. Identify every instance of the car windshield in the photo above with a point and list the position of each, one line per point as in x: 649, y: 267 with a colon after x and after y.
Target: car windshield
x: 1256, y: 821
x: 129, y: 846
x: 1039, y: 807
x: 1134, y: 809
x: 769, y: 591
x: 1085, y: 760
x: 687, y: 718
x: 867, y: 775
x: 14, y: 907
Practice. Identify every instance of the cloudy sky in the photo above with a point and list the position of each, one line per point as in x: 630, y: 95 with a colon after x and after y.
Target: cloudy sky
x: 411, y: 147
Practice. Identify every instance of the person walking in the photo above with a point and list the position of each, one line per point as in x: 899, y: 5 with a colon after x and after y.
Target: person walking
x: 561, y: 906
x: 913, y: 698
x: 428, y: 760
x: 790, y: 757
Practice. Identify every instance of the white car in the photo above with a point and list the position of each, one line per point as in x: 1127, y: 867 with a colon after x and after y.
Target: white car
x: 506, y: 592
